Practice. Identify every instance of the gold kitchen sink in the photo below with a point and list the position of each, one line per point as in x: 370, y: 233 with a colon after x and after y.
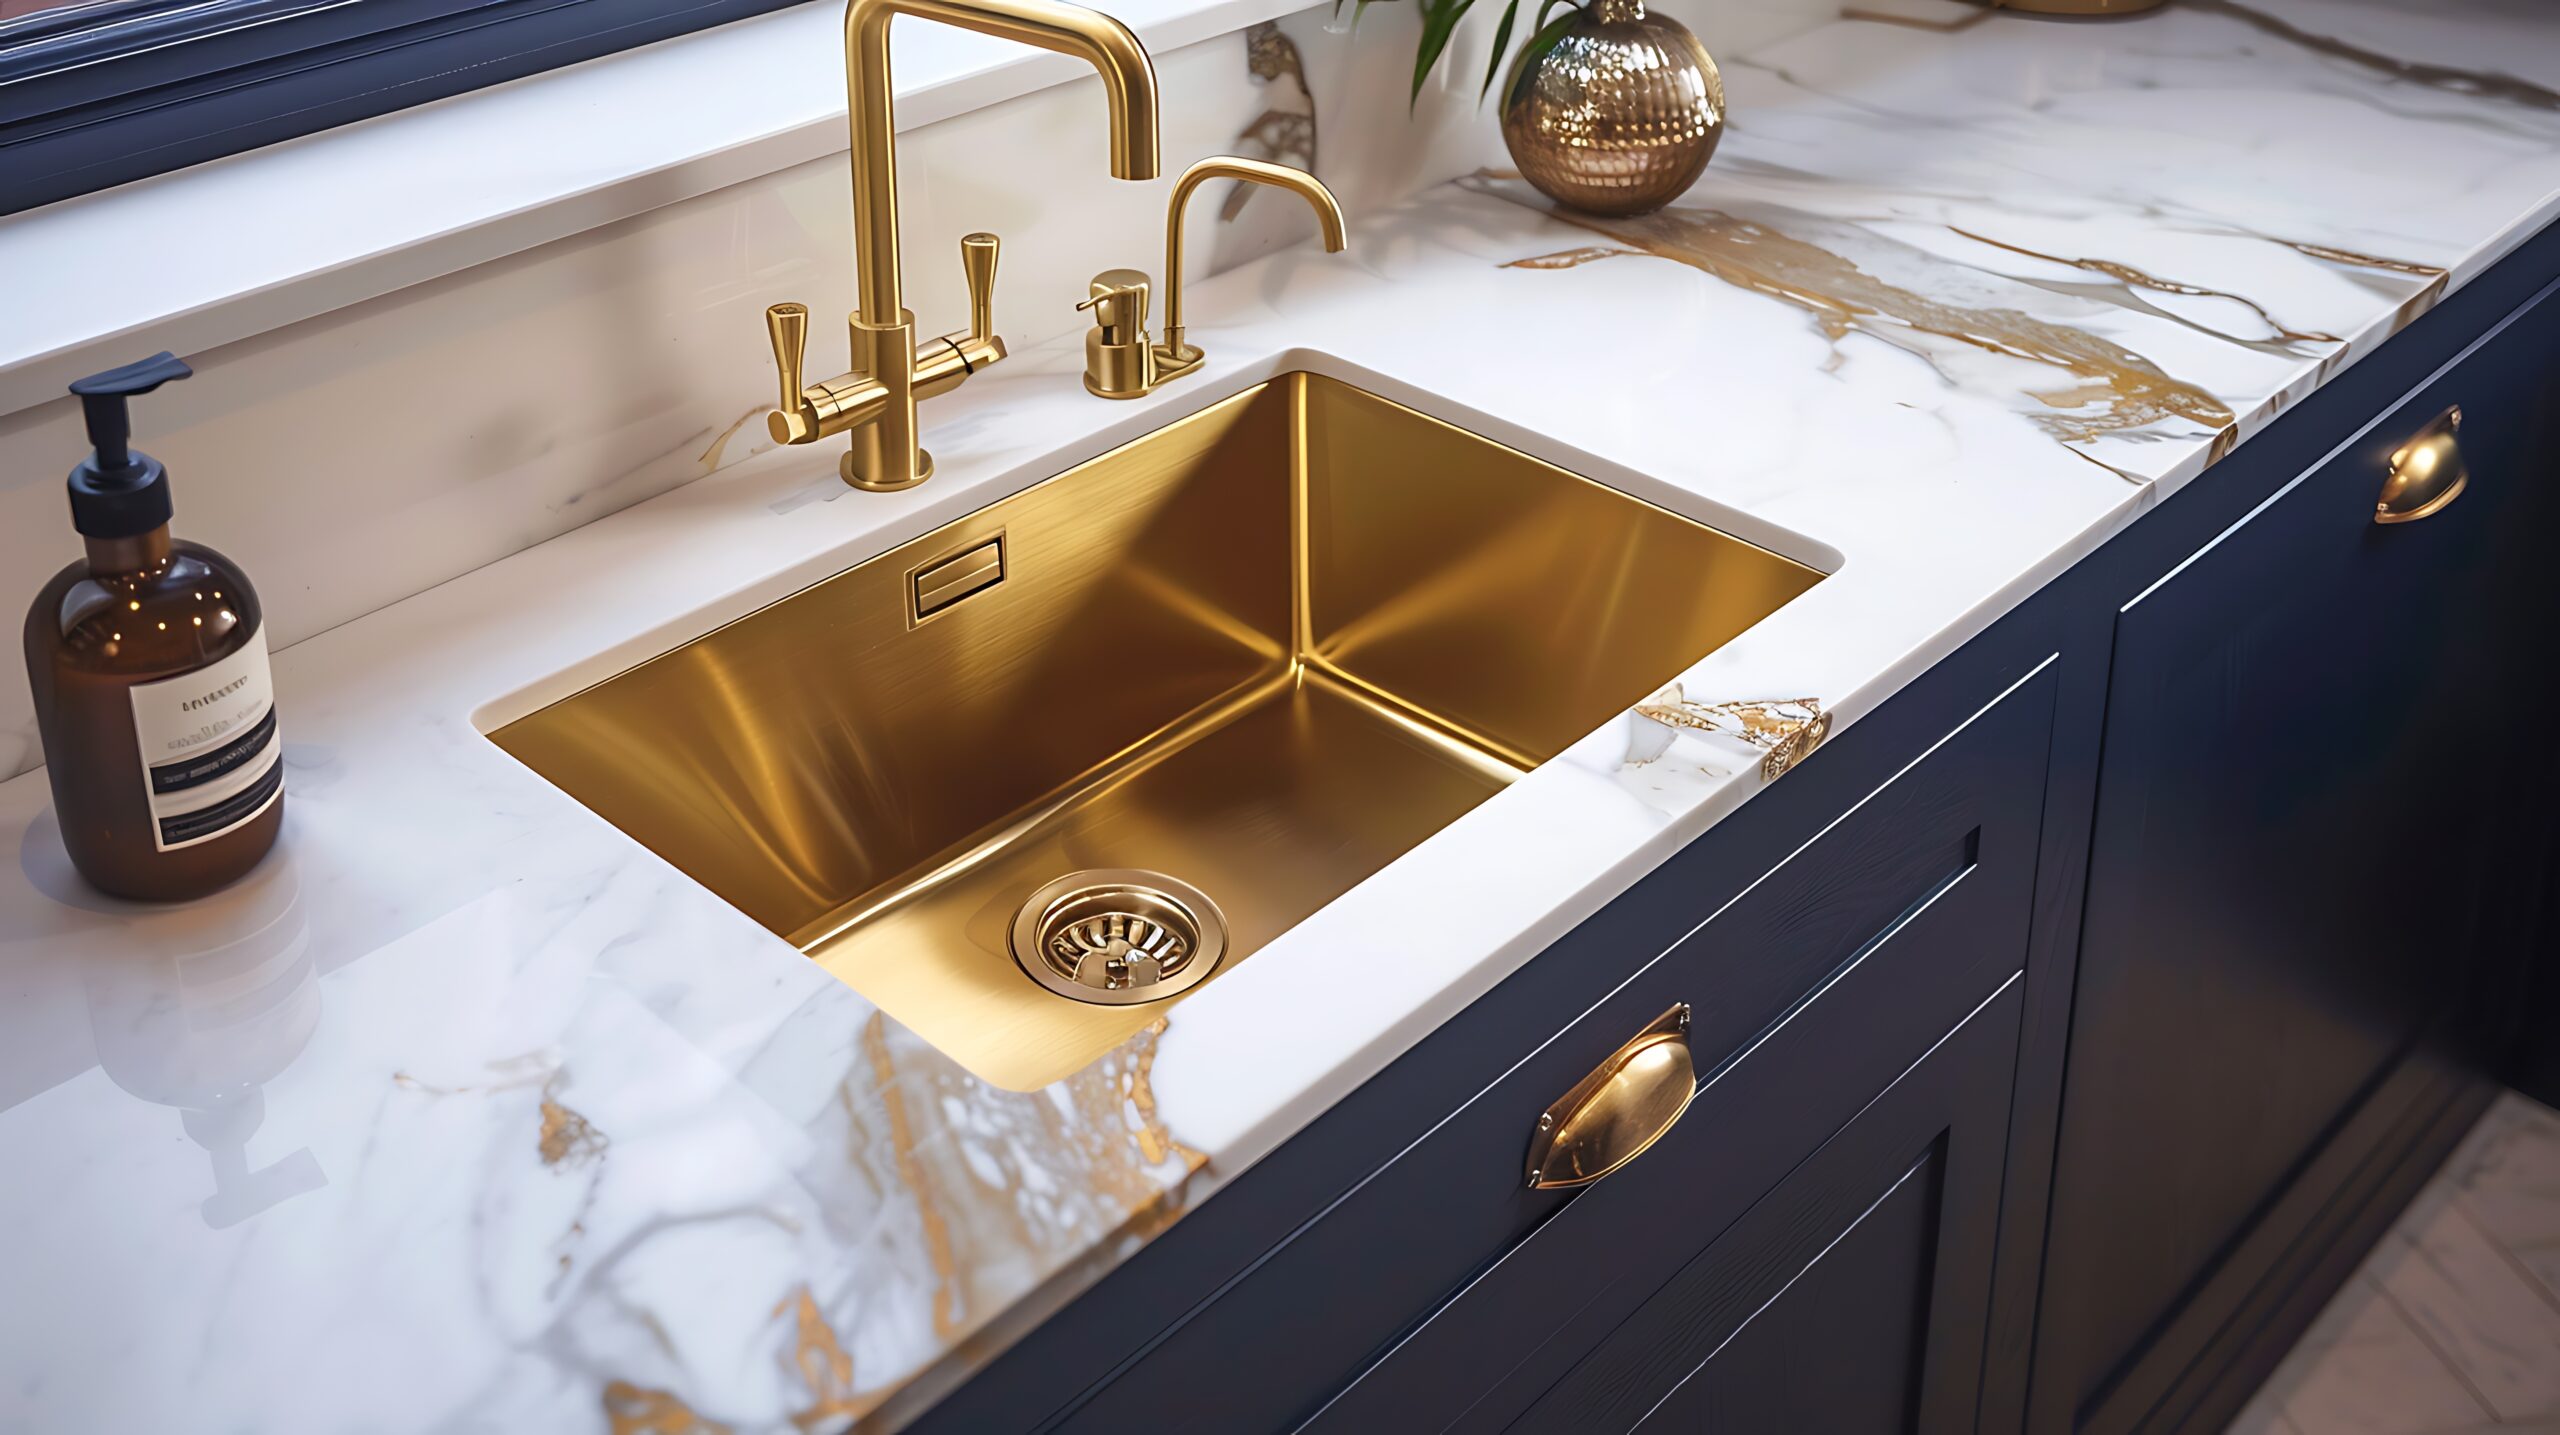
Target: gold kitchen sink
x: 1262, y: 651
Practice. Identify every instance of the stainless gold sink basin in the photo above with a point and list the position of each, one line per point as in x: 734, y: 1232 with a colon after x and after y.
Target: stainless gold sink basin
x: 1263, y: 650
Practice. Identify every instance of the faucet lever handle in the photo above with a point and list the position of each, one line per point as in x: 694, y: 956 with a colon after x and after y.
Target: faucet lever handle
x: 978, y: 266
x: 788, y: 326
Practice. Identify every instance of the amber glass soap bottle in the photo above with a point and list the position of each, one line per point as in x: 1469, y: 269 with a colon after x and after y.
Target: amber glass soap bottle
x: 149, y: 665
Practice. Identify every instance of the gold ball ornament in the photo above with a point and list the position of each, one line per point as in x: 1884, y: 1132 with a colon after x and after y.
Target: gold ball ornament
x: 1619, y: 115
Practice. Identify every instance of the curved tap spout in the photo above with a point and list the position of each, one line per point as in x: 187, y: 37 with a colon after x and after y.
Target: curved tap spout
x: 1176, y: 356
x: 1128, y: 82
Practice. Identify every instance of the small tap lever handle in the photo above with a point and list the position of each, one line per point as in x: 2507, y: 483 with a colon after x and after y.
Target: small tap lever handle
x: 788, y: 326
x: 978, y: 266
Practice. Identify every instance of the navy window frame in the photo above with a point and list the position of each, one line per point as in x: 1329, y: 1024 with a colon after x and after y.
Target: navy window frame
x: 104, y: 92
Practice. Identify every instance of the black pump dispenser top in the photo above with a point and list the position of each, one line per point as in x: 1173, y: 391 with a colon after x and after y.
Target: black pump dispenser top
x: 117, y: 492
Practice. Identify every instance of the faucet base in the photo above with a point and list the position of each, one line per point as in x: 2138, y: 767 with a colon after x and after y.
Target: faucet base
x: 851, y: 471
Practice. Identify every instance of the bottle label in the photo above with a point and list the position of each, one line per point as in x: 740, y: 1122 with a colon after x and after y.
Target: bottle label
x: 209, y: 751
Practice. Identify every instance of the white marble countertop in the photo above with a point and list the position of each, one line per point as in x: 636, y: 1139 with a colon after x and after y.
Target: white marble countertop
x: 466, y: 1112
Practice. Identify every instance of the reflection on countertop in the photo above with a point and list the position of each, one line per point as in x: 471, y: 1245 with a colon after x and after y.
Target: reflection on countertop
x: 195, y: 1008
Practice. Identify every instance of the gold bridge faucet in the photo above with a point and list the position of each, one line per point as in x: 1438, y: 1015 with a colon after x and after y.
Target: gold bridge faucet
x: 876, y: 401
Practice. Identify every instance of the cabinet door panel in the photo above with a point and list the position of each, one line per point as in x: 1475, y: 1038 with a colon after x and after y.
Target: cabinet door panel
x: 2291, y: 885
x: 1851, y: 1299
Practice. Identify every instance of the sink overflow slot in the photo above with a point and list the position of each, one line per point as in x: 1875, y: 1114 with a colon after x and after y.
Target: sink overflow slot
x: 939, y: 584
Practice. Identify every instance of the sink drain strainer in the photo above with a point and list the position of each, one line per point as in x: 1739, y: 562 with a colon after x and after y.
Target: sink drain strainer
x: 1119, y: 936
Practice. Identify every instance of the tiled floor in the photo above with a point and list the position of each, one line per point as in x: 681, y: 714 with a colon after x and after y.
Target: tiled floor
x: 2452, y: 1325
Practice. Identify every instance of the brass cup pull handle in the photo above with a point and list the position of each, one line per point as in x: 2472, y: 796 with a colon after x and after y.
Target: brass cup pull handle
x: 1626, y: 1104
x: 2426, y: 474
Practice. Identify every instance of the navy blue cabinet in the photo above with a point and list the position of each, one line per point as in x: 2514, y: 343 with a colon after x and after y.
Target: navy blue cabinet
x: 2300, y: 880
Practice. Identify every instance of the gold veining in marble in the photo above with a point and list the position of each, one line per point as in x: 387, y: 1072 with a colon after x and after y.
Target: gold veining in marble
x: 2357, y: 260
x: 824, y: 1365
x: 711, y: 457
x: 912, y: 1174
x: 2285, y: 339
x: 1574, y: 258
x: 2112, y: 391
x: 1784, y: 729
x: 1004, y: 1182
x: 631, y: 1410
x: 568, y: 1139
x: 1136, y: 1082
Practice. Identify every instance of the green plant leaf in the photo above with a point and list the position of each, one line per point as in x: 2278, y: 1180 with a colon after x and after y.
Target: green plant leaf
x: 1548, y: 33
x: 1501, y: 38
x: 1439, y: 21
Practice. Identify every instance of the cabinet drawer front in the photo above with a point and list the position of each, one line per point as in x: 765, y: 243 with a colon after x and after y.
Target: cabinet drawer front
x: 1893, y: 923
x: 1851, y: 1298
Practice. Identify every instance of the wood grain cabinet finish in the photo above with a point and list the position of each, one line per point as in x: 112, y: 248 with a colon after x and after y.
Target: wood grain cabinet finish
x: 2316, y: 771
x: 1444, y: 1293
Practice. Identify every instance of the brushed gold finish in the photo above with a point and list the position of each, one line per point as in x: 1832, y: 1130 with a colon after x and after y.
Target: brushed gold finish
x: 1117, y: 362
x: 1119, y: 936
x: 978, y: 271
x: 788, y: 326
x: 1264, y: 650
x: 1616, y: 1113
x: 937, y: 586
x: 875, y: 400
x: 2427, y: 473
x: 1619, y: 115
x: 1176, y: 356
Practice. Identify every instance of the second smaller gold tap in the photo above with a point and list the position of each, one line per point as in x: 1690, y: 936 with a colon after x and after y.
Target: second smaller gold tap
x: 1120, y: 361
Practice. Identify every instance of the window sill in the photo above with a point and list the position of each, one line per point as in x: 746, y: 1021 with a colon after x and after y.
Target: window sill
x: 300, y: 228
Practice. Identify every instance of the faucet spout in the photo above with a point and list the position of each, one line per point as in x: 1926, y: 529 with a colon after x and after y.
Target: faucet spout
x: 1177, y: 355
x: 1128, y: 83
